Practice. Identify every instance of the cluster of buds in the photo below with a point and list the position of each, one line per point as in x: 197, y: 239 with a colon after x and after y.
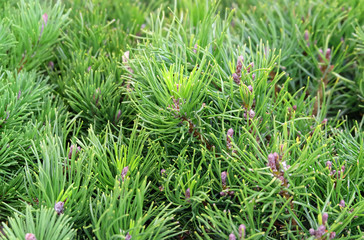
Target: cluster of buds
x: 322, y: 62
x: 59, y: 207
x: 320, y: 232
x: 239, y: 65
x: 338, y: 174
x: 225, y: 190
x: 176, y: 111
x: 251, y: 114
x: 278, y: 168
x: 242, y: 231
x: 70, y: 153
x: 30, y: 236
x: 237, y: 74
x: 124, y: 172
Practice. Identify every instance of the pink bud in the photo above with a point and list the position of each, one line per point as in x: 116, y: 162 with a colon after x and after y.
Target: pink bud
x: 59, y: 207
x: 342, y: 203
x: 242, y: 230
x: 195, y: 48
x: 124, y: 172
x: 30, y: 236
x: 251, y: 113
x: 329, y: 164
x: 188, y: 194
x: 276, y: 156
x: 45, y: 18
x: 232, y: 236
x: 223, y: 178
x: 328, y: 54
x: 128, y: 236
x: 320, y: 55
x: 250, y: 88
x: 236, y: 78
x: 325, y: 216
x: 320, y: 231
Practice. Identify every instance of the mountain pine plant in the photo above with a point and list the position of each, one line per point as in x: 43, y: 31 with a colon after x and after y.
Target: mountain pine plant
x: 190, y: 119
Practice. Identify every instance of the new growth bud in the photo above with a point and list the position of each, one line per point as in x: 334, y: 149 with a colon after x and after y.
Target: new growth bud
x: 59, y: 207
x: 30, y: 236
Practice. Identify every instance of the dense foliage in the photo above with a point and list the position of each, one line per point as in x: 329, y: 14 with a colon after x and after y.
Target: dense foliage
x: 188, y: 119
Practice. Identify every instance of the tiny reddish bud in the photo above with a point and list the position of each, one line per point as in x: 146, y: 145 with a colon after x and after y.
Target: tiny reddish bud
x: 223, y: 178
x: 251, y: 113
x: 128, y: 236
x: 325, y: 216
x: 45, y: 18
x: 188, y: 194
x: 30, y: 236
x: 320, y: 231
x: 328, y: 54
x: 232, y: 236
x: 342, y: 203
x: 329, y: 164
x: 250, y: 88
x: 124, y: 172
x: 242, y: 230
x: 59, y: 207
x: 320, y: 55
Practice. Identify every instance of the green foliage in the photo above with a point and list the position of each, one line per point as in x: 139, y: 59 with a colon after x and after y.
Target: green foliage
x: 124, y: 212
x: 43, y: 223
x: 181, y: 119
x: 33, y: 30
